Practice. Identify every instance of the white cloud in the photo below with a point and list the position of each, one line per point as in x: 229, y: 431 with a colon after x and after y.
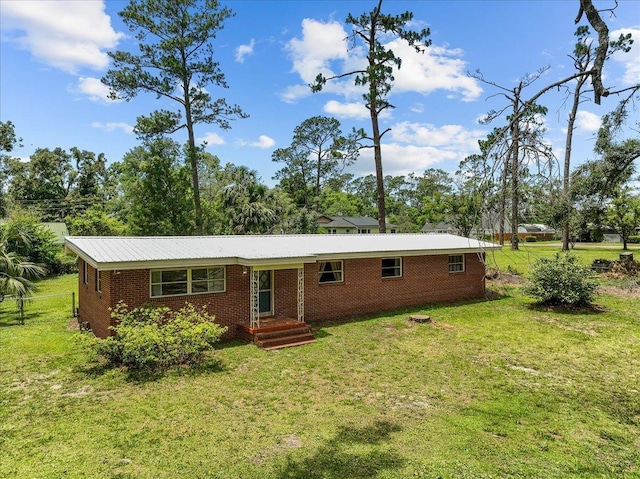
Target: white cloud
x: 68, y: 35
x: 244, y: 50
x: 113, y: 126
x: 94, y: 89
x: 346, y: 110
x: 631, y: 60
x: 588, y: 121
x: 293, y: 93
x: 322, y: 49
x: 414, y: 147
x: 400, y: 159
x: 449, y: 137
x: 320, y: 44
x: 211, y: 139
x: 437, y: 68
x: 264, y: 142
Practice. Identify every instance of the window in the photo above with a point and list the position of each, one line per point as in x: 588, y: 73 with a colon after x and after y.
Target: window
x: 98, y: 281
x: 85, y: 272
x: 391, y: 267
x: 173, y: 282
x: 330, y: 272
x: 364, y: 231
x: 332, y: 231
x: 207, y: 280
x: 456, y: 263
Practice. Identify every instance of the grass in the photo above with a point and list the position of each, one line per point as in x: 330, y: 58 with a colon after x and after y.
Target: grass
x: 497, y: 388
x: 520, y: 261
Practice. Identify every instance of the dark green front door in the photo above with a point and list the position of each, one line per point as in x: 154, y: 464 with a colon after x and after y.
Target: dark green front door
x: 264, y: 293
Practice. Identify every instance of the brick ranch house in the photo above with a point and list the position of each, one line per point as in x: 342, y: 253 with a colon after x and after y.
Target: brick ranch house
x: 250, y: 283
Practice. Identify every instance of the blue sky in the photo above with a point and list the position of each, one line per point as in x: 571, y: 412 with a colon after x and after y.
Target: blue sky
x: 52, y: 55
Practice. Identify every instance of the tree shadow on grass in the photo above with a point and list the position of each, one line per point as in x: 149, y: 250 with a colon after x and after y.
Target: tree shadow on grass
x: 98, y: 368
x: 354, y: 452
x: 589, y: 309
x: 12, y: 318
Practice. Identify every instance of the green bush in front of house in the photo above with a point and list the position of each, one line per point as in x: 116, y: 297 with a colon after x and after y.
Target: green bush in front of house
x: 634, y: 239
x: 561, y: 280
x: 154, y: 337
x: 530, y: 239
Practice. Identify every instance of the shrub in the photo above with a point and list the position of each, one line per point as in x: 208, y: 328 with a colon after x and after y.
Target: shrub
x: 561, y: 280
x: 155, y: 337
x: 634, y: 239
x: 530, y: 239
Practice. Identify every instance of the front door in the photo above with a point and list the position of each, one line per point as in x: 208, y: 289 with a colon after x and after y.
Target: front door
x: 265, y: 293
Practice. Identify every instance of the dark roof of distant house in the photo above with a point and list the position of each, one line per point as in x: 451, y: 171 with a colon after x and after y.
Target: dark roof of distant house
x: 442, y: 226
x: 352, y: 222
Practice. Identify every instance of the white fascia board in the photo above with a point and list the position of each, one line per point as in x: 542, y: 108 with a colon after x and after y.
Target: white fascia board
x: 273, y: 267
x: 397, y: 253
x: 276, y: 263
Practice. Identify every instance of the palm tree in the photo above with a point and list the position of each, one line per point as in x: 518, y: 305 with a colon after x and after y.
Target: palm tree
x: 16, y: 273
x: 252, y: 208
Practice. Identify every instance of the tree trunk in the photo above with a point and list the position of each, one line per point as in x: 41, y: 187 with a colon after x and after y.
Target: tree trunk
x: 382, y: 223
x: 192, y: 154
x: 373, y: 111
x: 515, y: 197
x: 567, y: 163
x: 503, y: 198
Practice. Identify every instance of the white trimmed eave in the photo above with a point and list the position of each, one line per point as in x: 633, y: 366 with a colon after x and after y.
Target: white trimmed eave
x: 396, y: 253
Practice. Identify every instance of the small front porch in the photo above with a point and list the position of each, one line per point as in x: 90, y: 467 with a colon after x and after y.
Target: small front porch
x: 277, y: 332
x: 277, y: 307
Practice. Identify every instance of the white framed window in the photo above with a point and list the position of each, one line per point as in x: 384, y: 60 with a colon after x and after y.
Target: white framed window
x: 364, y: 231
x: 175, y: 282
x: 332, y: 231
x: 330, y: 272
x: 98, y: 281
x: 456, y: 263
x: 207, y: 280
x: 391, y: 267
x: 85, y: 272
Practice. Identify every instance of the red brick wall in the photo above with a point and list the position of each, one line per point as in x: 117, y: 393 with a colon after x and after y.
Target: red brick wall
x: 133, y: 288
x: 425, y: 279
x: 285, y: 293
x: 93, y: 306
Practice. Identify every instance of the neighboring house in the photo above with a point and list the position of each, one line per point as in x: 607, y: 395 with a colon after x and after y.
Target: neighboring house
x: 439, y: 228
x: 248, y: 282
x: 539, y: 231
x: 59, y: 230
x: 352, y: 225
x: 491, y: 228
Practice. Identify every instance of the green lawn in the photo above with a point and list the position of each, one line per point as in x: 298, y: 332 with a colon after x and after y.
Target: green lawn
x: 520, y: 261
x: 497, y: 388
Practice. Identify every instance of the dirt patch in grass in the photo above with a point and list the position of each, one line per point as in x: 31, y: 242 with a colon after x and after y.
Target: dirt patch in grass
x: 575, y: 327
x: 502, y: 278
x: 620, y: 291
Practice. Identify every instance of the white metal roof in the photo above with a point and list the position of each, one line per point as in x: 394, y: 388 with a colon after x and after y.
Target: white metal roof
x: 127, y: 252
